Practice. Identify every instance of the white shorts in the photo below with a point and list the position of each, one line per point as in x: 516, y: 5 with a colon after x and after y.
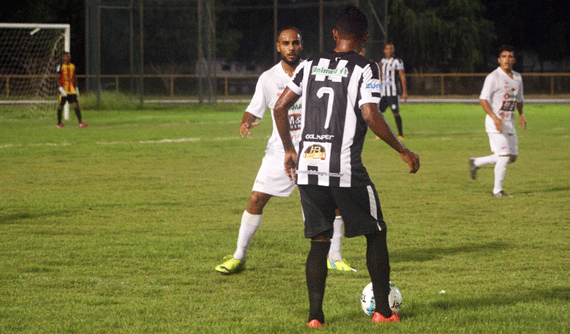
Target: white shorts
x: 271, y: 178
x: 504, y: 143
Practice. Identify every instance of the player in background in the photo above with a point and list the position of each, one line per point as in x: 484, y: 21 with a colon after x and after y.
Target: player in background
x: 68, y: 89
x: 390, y: 66
x: 271, y: 180
x: 340, y: 92
x: 502, y: 92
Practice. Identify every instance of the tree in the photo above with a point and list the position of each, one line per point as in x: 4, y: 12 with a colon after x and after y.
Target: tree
x: 448, y: 36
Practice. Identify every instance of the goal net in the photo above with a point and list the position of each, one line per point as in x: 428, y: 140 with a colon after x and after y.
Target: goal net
x: 29, y: 55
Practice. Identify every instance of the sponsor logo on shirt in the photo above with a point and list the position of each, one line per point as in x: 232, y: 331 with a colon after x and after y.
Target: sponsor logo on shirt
x: 373, y: 86
x: 315, y: 152
x: 294, y: 121
x: 336, y: 72
x: 319, y: 137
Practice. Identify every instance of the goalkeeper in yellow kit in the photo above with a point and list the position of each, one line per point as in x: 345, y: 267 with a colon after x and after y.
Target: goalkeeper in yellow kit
x: 68, y: 90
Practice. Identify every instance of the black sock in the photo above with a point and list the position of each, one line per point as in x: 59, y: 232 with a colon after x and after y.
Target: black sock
x: 78, y: 114
x: 59, y: 114
x: 399, y: 125
x: 316, y: 273
x: 378, y: 263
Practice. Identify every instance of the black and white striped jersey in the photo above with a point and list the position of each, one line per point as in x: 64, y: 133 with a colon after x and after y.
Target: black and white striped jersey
x: 390, y: 76
x: 333, y: 86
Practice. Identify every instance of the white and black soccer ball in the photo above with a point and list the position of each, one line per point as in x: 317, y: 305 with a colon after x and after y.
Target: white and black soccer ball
x: 369, y: 304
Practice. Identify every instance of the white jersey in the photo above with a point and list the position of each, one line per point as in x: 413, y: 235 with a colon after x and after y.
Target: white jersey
x: 269, y: 87
x: 391, y: 75
x: 503, y: 94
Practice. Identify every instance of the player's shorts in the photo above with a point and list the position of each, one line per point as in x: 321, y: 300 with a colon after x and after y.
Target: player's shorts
x: 70, y: 98
x: 504, y: 143
x: 359, y: 208
x: 389, y: 101
x: 271, y: 178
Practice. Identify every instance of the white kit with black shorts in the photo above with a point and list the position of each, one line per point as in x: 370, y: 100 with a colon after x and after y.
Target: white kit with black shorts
x: 503, y: 94
x: 271, y: 178
x: 391, y: 83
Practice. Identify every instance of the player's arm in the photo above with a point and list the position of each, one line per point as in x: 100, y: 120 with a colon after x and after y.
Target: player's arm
x: 522, y: 120
x: 380, y: 127
x: 59, y: 86
x: 404, y: 86
x: 487, y: 107
x: 248, y: 121
x: 286, y: 101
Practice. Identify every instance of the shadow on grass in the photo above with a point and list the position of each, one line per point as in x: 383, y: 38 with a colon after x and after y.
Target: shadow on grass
x: 14, y: 218
x: 550, y: 295
x: 435, y: 253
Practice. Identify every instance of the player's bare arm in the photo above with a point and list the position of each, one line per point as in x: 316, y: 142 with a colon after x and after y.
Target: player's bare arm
x: 247, y: 122
x: 522, y: 120
x: 404, y: 86
x: 487, y: 107
x: 380, y: 127
x: 286, y: 101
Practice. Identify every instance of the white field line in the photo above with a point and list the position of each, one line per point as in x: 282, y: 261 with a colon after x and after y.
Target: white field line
x: 160, y: 141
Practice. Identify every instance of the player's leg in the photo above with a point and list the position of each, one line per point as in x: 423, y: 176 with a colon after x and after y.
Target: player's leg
x: 395, y: 106
x: 505, y: 146
x: 335, y: 260
x: 363, y: 216
x: 319, y: 212
x: 60, y: 104
x: 270, y: 181
x: 250, y: 222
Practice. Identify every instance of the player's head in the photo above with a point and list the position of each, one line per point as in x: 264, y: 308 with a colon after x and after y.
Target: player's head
x: 66, y: 57
x: 506, y: 57
x: 351, y: 24
x: 389, y: 50
x: 290, y: 45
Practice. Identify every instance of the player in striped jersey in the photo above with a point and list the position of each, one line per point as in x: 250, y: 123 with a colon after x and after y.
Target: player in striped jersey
x: 391, y: 84
x: 502, y: 92
x: 340, y: 92
x: 271, y: 180
x: 67, y: 89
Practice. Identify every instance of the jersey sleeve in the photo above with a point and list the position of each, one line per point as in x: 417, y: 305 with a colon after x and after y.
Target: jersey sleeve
x: 488, y: 88
x: 296, y: 83
x: 520, y: 97
x: 371, y: 88
x: 400, y: 64
x: 259, y: 102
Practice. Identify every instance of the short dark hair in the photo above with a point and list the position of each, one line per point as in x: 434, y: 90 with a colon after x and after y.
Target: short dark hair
x: 351, y: 22
x: 506, y: 47
x: 290, y: 28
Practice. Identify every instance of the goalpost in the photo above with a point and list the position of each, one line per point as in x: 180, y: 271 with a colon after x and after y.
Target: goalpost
x: 29, y: 55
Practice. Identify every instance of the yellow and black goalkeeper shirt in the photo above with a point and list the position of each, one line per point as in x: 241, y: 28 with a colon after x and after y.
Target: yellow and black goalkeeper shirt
x: 67, y: 77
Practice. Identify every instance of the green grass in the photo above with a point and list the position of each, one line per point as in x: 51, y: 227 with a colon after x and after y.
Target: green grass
x: 116, y: 228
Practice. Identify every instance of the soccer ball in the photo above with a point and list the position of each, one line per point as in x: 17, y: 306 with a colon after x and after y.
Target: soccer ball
x: 369, y: 304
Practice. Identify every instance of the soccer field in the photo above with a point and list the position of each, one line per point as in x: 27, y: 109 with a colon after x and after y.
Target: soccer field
x: 116, y: 228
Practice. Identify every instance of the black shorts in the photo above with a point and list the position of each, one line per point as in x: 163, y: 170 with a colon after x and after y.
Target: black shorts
x: 70, y: 98
x: 359, y: 208
x: 389, y: 101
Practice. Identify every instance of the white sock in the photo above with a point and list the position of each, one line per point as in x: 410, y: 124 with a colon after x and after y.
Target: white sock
x: 336, y: 241
x: 249, y: 224
x: 488, y: 160
x: 500, y: 171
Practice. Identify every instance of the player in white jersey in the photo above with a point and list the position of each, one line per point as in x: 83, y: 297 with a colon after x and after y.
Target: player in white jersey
x: 502, y: 92
x: 271, y: 180
x: 393, y: 78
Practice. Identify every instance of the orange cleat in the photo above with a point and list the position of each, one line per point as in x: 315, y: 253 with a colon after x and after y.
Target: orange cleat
x: 315, y: 323
x: 378, y: 317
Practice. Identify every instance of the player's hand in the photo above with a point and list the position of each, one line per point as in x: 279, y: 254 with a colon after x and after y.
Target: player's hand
x: 498, y: 124
x: 62, y: 91
x: 77, y: 91
x: 244, y: 128
x: 412, y: 159
x: 290, y: 165
x: 404, y: 97
x: 522, y: 122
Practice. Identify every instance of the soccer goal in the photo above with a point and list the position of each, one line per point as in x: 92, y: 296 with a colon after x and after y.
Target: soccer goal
x: 29, y: 55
